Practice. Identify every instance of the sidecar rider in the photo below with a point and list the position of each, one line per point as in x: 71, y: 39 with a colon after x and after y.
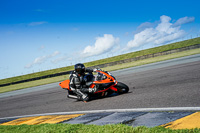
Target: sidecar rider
x: 78, y: 82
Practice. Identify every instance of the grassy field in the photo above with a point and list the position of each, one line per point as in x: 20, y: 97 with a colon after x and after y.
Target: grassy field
x: 80, y: 128
x: 110, y: 68
x: 107, y: 60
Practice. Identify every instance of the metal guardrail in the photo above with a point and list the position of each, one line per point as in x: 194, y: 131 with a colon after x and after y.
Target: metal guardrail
x: 112, y: 63
x: 36, y: 78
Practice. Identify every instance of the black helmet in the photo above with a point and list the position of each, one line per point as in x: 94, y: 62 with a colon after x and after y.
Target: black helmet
x: 79, y: 68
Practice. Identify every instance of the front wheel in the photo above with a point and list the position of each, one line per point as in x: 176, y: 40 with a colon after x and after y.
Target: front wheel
x: 122, y: 88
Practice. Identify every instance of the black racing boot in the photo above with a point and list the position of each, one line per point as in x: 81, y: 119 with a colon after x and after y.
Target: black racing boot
x: 86, y: 99
x: 82, y: 96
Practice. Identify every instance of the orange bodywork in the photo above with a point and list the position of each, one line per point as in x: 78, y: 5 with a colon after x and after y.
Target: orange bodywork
x: 109, y: 79
x: 65, y: 84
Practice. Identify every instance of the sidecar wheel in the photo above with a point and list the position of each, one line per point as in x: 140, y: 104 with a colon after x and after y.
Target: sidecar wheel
x: 122, y: 88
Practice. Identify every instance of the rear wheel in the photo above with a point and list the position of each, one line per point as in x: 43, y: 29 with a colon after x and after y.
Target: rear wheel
x: 122, y: 88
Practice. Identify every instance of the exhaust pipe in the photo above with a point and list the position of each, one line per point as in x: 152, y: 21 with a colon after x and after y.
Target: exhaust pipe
x: 72, y: 96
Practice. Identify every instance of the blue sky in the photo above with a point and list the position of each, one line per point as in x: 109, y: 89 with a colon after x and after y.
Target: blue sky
x: 39, y: 35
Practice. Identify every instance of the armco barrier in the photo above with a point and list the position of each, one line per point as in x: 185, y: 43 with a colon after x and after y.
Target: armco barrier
x: 37, y: 78
x: 112, y: 63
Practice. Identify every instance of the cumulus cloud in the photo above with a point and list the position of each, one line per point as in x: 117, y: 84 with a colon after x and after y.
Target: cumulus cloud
x: 37, y: 23
x: 102, y: 45
x: 162, y: 33
x: 42, y: 59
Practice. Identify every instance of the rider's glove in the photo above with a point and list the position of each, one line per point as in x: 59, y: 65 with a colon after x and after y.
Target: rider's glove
x: 94, y: 70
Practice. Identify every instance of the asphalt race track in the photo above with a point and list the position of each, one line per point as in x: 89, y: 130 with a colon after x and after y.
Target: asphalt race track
x: 174, y: 83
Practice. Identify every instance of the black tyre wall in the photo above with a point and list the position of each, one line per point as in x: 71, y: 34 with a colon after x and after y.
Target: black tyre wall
x: 122, y: 88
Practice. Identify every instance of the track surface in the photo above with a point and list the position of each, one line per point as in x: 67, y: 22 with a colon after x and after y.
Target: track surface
x: 175, y: 85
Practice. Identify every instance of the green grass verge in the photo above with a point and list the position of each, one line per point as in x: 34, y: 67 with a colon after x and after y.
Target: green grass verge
x: 33, y: 83
x: 80, y: 128
x: 107, y: 60
x: 153, y: 60
x: 110, y: 68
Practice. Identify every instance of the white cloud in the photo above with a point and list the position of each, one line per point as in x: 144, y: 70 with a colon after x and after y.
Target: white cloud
x: 144, y: 26
x: 163, y: 33
x: 42, y: 59
x: 63, y: 58
x: 184, y: 20
x: 102, y: 45
x: 37, y: 23
x: 54, y: 54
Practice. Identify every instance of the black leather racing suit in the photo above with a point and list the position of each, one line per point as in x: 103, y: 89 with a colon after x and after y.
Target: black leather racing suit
x: 78, y: 84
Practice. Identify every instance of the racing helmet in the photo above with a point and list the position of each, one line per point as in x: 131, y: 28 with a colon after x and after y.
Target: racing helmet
x: 79, y: 68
